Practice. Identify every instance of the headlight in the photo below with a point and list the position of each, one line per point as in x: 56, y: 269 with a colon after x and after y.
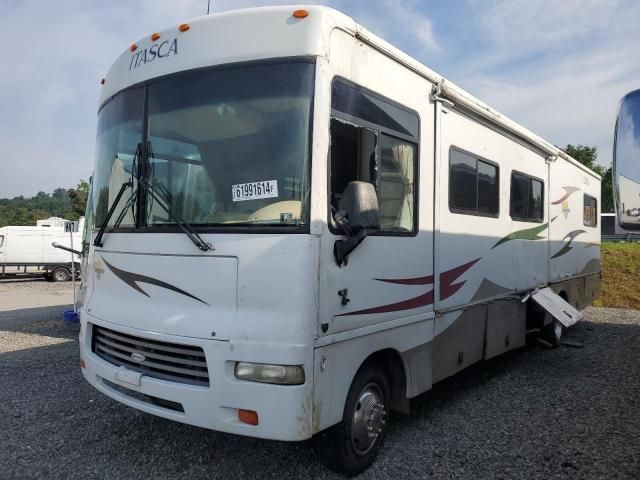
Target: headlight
x: 261, y: 372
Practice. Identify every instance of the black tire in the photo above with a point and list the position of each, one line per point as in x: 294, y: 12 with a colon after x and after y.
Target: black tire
x: 60, y: 274
x: 339, y: 447
x: 553, y: 333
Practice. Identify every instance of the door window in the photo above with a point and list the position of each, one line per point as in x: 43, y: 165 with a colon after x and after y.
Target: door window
x: 375, y: 141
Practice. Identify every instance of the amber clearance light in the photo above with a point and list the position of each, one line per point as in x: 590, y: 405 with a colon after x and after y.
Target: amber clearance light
x: 155, y: 37
x: 249, y: 417
x: 300, y: 13
x: 184, y: 27
x: 133, y: 47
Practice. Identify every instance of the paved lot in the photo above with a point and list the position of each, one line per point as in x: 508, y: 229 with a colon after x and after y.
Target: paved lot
x: 532, y: 414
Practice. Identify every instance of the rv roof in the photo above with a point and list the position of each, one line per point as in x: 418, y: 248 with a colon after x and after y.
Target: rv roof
x: 272, y: 32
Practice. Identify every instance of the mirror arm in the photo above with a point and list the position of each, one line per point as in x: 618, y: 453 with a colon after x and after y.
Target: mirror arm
x: 342, y: 248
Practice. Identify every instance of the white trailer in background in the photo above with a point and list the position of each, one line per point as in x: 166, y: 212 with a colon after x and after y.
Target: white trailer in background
x: 295, y: 227
x: 29, y: 250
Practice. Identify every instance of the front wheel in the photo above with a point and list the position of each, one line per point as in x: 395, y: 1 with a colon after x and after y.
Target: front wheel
x: 352, y: 445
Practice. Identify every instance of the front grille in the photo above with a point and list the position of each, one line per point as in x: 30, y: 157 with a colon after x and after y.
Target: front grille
x: 168, y: 361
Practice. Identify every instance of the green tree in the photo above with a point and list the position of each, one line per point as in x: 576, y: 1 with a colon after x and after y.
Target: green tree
x: 587, y: 156
x: 65, y: 203
x: 78, y: 198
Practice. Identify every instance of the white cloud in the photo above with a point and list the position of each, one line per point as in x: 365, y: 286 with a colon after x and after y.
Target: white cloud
x: 559, y: 68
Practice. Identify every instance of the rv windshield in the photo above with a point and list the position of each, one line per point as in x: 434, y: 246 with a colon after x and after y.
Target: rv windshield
x: 228, y: 146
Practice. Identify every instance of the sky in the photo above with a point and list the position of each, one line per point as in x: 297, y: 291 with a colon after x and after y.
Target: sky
x: 557, y: 67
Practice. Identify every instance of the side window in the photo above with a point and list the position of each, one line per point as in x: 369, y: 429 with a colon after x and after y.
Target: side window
x: 526, y: 202
x: 590, y: 211
x: 1, y: 240
x: 474, y: 186
x: 375, y: 141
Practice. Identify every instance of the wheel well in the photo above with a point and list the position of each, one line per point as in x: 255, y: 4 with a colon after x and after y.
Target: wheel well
x: 391, y: 363
x: 564, y: 296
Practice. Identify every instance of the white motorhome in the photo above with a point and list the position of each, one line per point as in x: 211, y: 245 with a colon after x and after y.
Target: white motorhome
x: 28, y: 250
x: 296, y: 227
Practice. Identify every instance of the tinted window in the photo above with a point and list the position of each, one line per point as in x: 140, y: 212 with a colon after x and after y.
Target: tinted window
x: 527, y: 198
x: 487, y: 187
x: 357, y: 102
x: 473, y: 184
x: 536, y: 199
x: 590, y: 211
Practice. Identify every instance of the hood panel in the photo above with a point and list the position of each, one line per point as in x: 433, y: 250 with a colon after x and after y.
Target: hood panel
x: 190, y: 296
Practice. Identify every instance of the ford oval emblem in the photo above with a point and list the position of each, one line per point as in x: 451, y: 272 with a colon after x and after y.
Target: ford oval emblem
x: 138, y: 357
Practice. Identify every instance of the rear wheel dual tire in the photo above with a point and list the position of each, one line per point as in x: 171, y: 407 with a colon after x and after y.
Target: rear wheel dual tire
x: 353, y: 444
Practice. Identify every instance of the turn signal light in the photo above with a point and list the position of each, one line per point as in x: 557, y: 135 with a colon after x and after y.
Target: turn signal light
x: 155, y: 37
x: 301, y: 13
x: 184, y: 27
x: 82, y: 365
x: 248, y: 416
x: 133, y: 47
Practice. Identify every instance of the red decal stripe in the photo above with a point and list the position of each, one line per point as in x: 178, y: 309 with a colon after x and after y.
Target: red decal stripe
x: 447, y: 289
x: 409, y: 281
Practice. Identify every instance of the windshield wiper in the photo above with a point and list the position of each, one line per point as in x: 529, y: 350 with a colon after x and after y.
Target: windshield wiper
x: 129, y: 183
x: 160, y: 193
x: 98, y: 240
x: 163, y: 198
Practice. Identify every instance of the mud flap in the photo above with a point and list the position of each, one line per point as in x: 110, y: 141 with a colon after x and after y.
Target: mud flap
x: 557, y: 307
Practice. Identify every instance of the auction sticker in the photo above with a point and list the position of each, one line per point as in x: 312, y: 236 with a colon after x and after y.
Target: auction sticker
x: 254, y: 190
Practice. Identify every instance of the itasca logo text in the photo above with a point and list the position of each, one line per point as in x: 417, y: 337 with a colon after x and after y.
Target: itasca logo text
x: 157, y: 50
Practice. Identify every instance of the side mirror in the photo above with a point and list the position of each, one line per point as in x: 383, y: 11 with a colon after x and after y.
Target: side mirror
x: 360, y: 202
x: 626, y: 162
x: 358, y: 213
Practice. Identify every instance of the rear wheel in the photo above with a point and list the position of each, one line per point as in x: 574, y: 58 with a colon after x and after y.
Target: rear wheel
x: 352, y: 445
x: 60, y: 274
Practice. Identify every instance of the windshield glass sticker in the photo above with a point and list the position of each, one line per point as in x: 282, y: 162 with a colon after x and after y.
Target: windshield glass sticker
x: 254, y: 190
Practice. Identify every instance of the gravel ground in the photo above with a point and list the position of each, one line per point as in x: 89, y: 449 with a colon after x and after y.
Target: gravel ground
x: 531, y: 414
x: 28, y: 292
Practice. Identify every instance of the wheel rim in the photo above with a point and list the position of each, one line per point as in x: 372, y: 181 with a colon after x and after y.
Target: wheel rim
x: 60, y: 276
x: 368, y: 419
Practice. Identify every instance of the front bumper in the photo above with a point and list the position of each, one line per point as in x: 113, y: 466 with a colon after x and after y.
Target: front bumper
x: 285, y: 412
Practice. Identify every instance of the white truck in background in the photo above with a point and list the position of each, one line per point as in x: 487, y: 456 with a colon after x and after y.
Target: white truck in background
x: 29, y: 250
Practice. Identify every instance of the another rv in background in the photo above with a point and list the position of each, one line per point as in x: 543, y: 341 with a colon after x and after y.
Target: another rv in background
x: 29, y: 250
x: 626, y: 163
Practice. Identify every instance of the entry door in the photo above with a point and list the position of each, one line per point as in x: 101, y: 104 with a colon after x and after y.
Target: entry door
x: 389, y: 275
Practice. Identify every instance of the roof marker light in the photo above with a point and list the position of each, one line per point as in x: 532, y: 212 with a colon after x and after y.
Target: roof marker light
x: 300, y: 13
x: 184, y: 27
x: 155, y: 37
x: 133, y: 47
